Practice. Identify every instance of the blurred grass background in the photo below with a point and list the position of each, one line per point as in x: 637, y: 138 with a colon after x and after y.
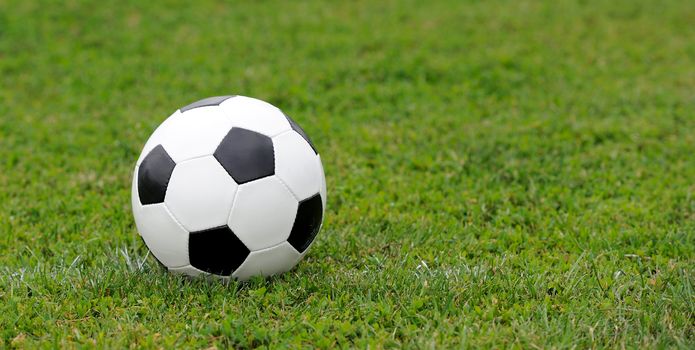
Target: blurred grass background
x: 499, y: 173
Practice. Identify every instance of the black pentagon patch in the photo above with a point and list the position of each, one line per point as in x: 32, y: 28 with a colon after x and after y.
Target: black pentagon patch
x: 307, y: 223
x: 246, y: 155
x: 153, y: 176
x: 217, y: 251
x: 301, y: 132
x: 210, y: 101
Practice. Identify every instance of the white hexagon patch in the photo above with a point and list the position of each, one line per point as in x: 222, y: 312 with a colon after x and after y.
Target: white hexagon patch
x: 200, y: 194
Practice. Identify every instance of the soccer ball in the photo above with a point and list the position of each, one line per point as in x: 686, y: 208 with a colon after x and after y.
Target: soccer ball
x: 229, y: 186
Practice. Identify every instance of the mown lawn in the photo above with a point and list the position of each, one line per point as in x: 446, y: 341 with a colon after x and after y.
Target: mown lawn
x: 500, y: 173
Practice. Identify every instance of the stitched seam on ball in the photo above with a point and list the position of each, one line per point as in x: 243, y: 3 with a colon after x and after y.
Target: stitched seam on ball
x: 231, y: 210
x: 188, y: 255
x: 298, y: 201
x: 286, y: 121
x: 288, y: 188
x: 271, y: 247
x: 283, y: 133
x: 196, y: 157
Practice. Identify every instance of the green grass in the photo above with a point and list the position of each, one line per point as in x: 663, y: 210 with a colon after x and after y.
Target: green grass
x: 500, y: 174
